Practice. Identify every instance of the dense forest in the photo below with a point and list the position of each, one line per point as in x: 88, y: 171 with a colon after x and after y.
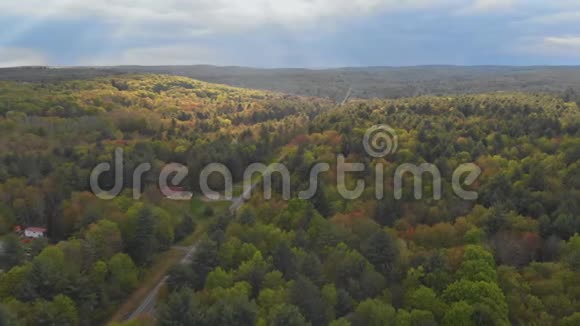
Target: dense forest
x: 512, y: 256
x: 360, y: 82
x: 53, y: 135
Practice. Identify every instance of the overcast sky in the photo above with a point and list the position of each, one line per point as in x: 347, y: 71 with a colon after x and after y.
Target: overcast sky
x: 290, y: 33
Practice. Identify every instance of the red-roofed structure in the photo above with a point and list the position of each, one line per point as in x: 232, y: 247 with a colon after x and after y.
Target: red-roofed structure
x: 35, y: 232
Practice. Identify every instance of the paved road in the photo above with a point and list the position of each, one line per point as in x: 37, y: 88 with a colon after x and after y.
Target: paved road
x: 237, y: 202
x: 148, y: 304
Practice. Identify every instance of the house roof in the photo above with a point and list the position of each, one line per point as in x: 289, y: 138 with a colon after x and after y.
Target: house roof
x: 36, y: 229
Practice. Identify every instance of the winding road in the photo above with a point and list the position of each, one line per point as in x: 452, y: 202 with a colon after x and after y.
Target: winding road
x: 147, y: 306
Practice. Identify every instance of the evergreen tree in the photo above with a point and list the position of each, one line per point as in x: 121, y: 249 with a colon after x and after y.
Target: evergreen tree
x: 284, y: 260
x: 381, y: 251
x: 181, y: 309
x: 11, y: 253
x: 204, y: 260
x: 307, y: 297
x: 143, y: 244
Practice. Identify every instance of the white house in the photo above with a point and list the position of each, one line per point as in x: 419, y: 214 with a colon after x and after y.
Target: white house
x: 176, y: 193
x: 35, y: 232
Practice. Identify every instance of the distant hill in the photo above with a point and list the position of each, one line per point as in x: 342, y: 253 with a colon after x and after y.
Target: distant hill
x: 369, y: 82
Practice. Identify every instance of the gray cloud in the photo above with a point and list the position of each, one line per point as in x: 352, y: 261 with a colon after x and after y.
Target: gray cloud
x: 270, y: 55
x: 557, y: 18
x: 156, y: 55
x: 486, y: 6
x: 567, y: 46
x: 296, y: 32
x: 13, y: 57
x: 563, y: 44
x: 207, y: 16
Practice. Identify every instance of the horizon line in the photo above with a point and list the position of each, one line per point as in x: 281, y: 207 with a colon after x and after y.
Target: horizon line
x: 288, y: 67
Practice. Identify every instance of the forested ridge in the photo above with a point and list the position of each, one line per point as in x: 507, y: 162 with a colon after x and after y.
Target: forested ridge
x: 336, y: 83
x: 509, y: 257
